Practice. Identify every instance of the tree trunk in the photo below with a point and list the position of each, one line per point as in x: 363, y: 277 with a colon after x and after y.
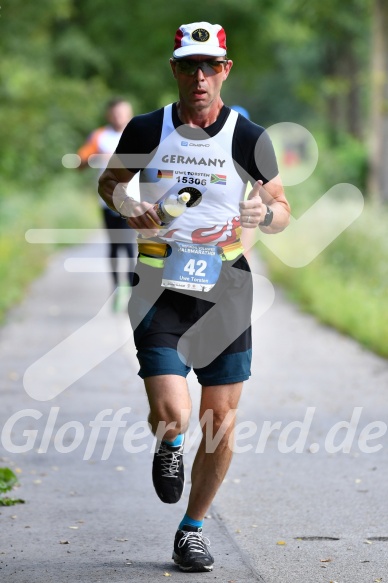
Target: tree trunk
x: 378, y: 160
x: 353, y: 109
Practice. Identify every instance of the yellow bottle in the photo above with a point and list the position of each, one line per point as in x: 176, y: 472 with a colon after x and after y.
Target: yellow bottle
x: 172, y: 207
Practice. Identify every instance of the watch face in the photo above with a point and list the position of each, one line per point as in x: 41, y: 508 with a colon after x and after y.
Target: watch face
x: 268, y: 217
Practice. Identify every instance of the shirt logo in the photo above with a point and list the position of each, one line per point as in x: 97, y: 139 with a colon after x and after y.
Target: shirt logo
x: 200, y: 35
x: 196, y: 145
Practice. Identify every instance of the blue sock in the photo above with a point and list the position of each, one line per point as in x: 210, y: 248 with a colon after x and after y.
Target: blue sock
x: 186, y: 520
x: 177, y: 441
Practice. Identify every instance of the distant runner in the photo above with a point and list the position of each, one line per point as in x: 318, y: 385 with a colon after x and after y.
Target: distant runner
x: 104, y: 141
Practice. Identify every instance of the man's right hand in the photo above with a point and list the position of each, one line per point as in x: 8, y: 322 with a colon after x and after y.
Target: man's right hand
x: 141, y: 216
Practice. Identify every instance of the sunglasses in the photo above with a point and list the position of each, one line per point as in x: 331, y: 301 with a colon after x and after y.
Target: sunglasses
x: 189, y: 67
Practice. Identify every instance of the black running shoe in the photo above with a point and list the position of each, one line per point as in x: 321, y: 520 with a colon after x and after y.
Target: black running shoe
x: 168, y: 473
x: 191, y: 550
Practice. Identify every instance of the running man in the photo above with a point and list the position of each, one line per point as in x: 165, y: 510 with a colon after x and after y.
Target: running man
x: 103, y: 141
x: 200, y: 146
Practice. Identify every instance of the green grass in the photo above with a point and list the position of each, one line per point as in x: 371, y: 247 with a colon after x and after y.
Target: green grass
x: 65, y: 203
x: 346, y: 285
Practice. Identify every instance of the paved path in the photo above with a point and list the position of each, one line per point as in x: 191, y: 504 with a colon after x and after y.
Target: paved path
x: 90, y: 519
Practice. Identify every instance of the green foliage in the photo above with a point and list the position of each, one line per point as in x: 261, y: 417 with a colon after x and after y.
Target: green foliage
x: 63, y: 59
x: 314, y: 52
x: 36, y: 114
x: 7, y: 480
x: 43, y: 114
x: 346, y: 285
x: 345, y: 162
x: 64, y: 203
x: 10, y: 501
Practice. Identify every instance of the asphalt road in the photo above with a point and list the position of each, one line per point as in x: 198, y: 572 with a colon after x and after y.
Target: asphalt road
x: 305, y: 497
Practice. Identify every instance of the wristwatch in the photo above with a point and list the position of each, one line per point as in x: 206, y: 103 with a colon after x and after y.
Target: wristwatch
x: 268, y: 217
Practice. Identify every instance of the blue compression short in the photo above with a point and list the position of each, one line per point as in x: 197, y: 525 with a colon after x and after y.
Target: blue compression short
x: 176, y: 331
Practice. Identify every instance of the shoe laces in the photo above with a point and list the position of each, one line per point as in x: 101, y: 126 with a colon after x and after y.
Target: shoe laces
x: 170, y: 461
x: 195, y: 542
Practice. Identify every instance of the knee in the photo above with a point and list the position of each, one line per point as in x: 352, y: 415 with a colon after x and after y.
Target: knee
x: 218, y: 423
x: 168, y: 420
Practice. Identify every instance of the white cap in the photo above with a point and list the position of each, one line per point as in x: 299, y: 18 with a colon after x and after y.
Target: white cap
x: 200, y: 38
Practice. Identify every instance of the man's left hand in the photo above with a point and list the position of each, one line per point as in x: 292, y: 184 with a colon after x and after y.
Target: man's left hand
x: 253, y: 210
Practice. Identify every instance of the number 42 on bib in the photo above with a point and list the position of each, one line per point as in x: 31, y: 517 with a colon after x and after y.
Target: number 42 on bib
x: 192, y: 267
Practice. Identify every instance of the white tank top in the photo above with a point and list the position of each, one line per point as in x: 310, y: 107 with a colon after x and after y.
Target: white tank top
x: 204, y: 167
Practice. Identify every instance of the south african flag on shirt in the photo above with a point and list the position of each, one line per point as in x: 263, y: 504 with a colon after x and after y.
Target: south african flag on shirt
x: 218, y: 179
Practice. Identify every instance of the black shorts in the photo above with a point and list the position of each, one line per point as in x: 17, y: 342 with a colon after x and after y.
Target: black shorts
x: 177, y: 330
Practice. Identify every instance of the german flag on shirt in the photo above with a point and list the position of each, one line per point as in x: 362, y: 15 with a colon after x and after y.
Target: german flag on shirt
x: 165, y: 173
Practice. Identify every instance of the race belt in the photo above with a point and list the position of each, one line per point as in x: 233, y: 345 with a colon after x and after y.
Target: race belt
x: 188, y: 266
x: 153, y: 249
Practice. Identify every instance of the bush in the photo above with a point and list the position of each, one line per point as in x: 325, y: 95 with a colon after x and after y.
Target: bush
x: 346, y: 285
x: 65, y: 203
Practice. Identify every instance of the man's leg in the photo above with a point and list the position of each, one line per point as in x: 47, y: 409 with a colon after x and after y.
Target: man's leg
x: 170, y: 403
x: 110, y: 222
x: 170, y: 409
x: 217, y: 414
x: 210, y: 467
x: 114, y: 258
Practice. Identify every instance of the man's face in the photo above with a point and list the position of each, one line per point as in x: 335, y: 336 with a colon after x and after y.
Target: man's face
x: 199, y: 90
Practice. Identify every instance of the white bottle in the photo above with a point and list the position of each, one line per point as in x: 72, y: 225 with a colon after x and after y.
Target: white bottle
x: 172, y: 207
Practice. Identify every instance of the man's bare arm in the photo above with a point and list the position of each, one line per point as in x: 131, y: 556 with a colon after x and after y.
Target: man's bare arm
x: 253, y: 209
x: 112, y: 184
x: 112, y: 189
x: 272, y: 194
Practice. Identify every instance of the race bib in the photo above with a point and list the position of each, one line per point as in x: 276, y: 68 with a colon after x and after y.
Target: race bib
x: 192, y: 266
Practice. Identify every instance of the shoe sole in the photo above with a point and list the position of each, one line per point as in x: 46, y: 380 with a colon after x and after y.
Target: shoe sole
x: 192, y: 568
